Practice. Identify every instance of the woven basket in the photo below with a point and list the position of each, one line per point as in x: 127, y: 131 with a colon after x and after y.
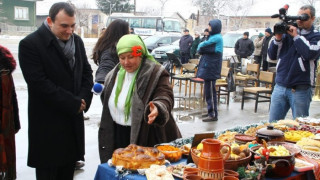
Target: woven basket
x: 229, y: 164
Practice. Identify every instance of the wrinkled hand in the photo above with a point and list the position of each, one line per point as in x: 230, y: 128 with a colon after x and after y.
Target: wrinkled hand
x: 83, y: 105
x: 153, y: 113
x: 293, y: 31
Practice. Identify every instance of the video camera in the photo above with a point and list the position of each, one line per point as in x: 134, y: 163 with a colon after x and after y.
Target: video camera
x: 283, y: 27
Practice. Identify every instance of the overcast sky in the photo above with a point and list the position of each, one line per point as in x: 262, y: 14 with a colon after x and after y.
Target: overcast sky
x: 185, y: 7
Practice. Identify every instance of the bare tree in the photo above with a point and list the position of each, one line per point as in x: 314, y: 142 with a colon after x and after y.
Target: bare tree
x: 239, y: 10
x: 310, y: 2
x: 163, y: 3
x: 211, y: 8
x: 150, y: 10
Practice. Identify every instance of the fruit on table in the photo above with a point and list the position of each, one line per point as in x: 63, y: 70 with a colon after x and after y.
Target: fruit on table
x: 200, y: 147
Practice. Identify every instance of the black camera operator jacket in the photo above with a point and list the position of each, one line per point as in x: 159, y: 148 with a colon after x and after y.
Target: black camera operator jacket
x: 297, y: 58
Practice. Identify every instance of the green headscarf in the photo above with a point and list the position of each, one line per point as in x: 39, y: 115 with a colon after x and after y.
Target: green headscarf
x: 130, y: 43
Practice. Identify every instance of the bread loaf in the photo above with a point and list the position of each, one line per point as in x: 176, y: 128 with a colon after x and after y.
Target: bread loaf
x: 136, y: 157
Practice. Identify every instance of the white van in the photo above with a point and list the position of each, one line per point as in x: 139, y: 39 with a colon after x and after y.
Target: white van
x: 230, y: 38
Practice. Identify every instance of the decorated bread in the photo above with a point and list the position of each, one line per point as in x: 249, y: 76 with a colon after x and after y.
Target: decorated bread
x: 137, y: 157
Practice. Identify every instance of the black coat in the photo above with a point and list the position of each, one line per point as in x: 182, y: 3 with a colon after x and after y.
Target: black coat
x: 244, y: 47
x: 108, y: 61
x: 56, y: 129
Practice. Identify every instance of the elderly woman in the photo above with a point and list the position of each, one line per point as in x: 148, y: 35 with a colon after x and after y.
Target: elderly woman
x: 137, y: 101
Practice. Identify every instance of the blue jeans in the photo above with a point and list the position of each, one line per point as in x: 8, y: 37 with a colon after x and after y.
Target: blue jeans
x: 211, y: 97
x: 283, y: 99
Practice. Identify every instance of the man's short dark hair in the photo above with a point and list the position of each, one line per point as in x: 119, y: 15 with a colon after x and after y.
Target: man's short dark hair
x: 312, y: 9
x: 57, y: 7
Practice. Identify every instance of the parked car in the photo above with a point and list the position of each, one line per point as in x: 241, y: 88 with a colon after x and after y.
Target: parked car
x: 230, y: 38
x: 160, y: 53
x: 155, y: 41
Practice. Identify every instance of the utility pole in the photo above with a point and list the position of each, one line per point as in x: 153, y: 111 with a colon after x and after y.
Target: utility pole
x: 135, y: 5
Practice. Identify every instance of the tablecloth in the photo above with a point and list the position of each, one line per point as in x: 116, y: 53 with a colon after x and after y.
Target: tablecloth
x: 105, y: 172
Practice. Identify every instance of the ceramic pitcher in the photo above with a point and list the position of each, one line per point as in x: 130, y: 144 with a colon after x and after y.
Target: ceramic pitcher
x: 211, y: 161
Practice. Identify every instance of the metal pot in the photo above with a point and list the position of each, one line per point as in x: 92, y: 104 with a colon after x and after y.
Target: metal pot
x: 269, y: 134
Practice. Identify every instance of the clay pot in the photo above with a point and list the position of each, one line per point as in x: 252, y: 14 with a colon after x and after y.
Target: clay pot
x: 269, y: 134
x: 190, y: 171
x: 283, y: 165
x: 211, y: 161
x: 228, y: 172
x: 192, y: 177
x: 230, y: 178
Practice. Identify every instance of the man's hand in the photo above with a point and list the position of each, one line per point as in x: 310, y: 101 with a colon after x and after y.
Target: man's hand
x: 293, y: 31
x: 153, y: 113
x: 83, y: 105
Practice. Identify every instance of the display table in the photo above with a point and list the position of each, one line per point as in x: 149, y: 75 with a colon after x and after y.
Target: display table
x: 105, y: 172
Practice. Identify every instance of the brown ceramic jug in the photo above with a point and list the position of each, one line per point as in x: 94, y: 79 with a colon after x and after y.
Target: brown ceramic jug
x: 211, y: 161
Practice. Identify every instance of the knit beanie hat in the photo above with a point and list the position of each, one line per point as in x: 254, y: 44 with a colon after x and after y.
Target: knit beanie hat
x: 246, y: 33
x: 260, y: 35
x: 133, y: 43
x: 268, y: 30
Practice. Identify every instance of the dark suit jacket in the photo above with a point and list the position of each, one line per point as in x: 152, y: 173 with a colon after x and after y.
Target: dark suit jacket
x: 56, y: 129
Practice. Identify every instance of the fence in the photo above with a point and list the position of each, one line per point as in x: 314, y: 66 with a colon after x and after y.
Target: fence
x: 16, y: 30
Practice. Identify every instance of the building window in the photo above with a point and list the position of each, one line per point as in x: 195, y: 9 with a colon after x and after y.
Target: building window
x: 21, y: 13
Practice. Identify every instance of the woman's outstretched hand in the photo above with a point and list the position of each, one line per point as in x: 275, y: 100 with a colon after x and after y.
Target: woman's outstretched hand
x: 153, y: 113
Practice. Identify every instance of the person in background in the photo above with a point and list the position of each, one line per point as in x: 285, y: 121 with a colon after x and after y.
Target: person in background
x: 54, y: 64
x: 185, y: 46
x: 244, y: 47
x: 131, y: 30
x: 210, y: 67
x: 137, y: 101
x: 264, y: 49
x: 9, y: 121
x: 195, y: 44
x: 104, y: 53
x: 297, y: 51
x: 205, y: 35
x: 257, y: 49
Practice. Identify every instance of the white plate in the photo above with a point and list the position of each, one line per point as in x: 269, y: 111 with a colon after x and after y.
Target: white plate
x: 308, y: 166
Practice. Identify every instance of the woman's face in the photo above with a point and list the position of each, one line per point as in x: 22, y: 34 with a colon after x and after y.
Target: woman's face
x: 129, y: 62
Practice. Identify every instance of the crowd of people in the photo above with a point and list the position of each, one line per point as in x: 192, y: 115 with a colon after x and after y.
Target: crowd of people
x: 137, y: 98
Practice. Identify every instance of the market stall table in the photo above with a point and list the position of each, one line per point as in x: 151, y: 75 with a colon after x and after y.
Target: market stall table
x: 106, y: 172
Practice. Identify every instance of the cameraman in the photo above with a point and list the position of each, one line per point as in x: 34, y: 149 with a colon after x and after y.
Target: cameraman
x: 297, y: 51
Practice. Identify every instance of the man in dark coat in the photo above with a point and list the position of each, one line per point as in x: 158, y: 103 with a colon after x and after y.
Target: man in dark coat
x: 244, y: 47
x: 264, y: 49
x: 185, y: 46
x: 55, y: 66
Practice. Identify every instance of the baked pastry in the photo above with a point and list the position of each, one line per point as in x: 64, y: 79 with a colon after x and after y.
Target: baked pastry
x: 136, y: 157
x: 309, y: 144
x: 156, y: 172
